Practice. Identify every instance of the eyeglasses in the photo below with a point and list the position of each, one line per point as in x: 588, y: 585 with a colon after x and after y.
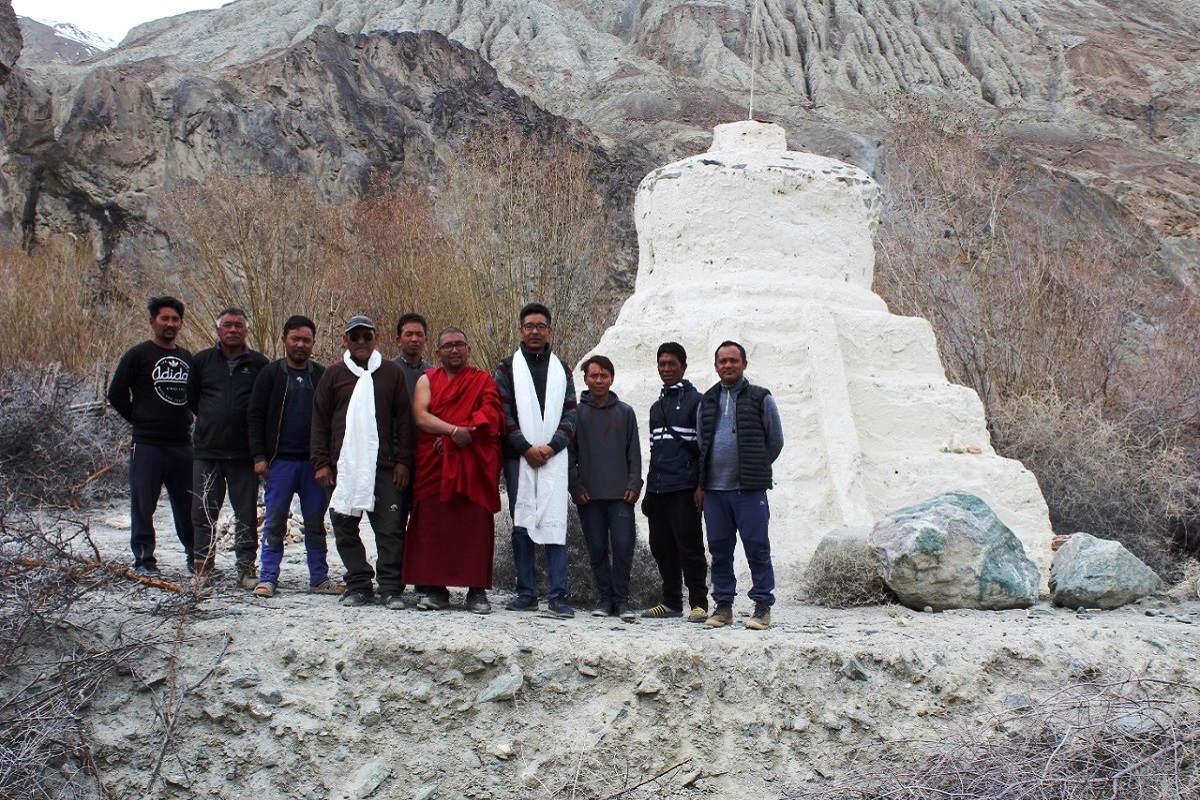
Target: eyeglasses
x: 361, y: 336
x: 540, y: 327
x: 453, y: 346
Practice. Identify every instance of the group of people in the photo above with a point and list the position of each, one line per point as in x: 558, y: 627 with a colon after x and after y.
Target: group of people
x: 420, y: 449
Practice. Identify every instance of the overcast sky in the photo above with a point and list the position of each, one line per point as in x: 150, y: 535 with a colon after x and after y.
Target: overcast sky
x: 109, y: 19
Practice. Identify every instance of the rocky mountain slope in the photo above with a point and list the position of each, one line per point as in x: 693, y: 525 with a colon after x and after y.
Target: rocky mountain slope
x: 1103, y: 92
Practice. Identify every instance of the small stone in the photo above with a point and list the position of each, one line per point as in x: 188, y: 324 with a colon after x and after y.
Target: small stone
x: 369, y: 778
x: 370, y: 712
x: 501, y: 750
x: 425, y: 792
x: 831, y: 722
x: 588, y: 671
x: 271, y: 695
x: 259, y: 711
x: 855, y: 671
x: 503, y: 687
x: 1161, y: 645
x: 421, y: 692
x: 928, y: 609
x: 1154, y: 612
x: 486, y: 656
x: 1081, y: 670
x: 1016, y: 702
x: 650, y: 685
x: 800, y: 723
x: 245, y: 680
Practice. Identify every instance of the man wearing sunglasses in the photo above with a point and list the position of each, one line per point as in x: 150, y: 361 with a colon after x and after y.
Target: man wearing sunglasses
x: 362, y: 445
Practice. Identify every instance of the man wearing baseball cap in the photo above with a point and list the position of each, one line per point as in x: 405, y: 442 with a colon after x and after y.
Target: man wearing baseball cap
x: 362, y: 447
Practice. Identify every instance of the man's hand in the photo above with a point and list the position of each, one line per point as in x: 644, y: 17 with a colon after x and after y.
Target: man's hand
x: 324, y: 477
x: 400, y: 476
x: 631, y: 496
x: 699, y: 499
x: 539, y: 456
x: 462, y: 436
x: 582, y: 499
x: 262, y: 469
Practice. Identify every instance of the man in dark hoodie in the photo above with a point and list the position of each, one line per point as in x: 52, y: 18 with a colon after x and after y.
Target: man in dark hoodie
x: 280, y: 419
x: 676, y: 537
x: 219, y: 389
x: 605, y: 479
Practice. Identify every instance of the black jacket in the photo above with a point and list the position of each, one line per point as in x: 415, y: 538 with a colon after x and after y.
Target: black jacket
x: 266, y: 406
x: 219, y: 395
x: 674, y: 459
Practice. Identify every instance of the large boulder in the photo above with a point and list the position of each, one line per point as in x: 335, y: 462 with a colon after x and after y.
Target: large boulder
x: 1099, y: 573
x: 952, y: 551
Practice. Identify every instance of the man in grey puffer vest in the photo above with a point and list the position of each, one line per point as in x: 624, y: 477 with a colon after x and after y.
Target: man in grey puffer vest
x: 740, y: 437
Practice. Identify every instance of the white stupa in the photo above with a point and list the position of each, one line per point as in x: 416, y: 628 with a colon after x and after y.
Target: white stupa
x: 773, y: 249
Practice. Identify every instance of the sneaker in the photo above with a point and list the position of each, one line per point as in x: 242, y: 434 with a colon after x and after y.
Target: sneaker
x: 477, y: 602
x: 721, y: 616
x: 355, y: 598
x: 698, y: 614
x: 661, y: 612
x: 247, y: 576
x: 602, y: 610
x: 761, y: 619
x: 327, y: 586
x: 265, y: 589
x: 434, y: 601
x: 393, y: 600
x: 150, y: 573
x: 626, y: 613
x: 523, y: 602
x: 560, y: 609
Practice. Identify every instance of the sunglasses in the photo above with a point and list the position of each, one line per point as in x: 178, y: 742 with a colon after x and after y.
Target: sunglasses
x: 361, y: 336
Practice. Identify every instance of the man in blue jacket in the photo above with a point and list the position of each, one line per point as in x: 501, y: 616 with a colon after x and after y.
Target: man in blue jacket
x: 676, y: 536
x: 219, y: 389
x: 280, y: 422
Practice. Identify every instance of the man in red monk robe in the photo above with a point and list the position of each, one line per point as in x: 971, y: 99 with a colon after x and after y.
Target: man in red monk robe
x: 451, y: 533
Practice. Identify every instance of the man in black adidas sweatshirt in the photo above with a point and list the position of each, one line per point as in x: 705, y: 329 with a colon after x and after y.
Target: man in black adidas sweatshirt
x: 149, y: 389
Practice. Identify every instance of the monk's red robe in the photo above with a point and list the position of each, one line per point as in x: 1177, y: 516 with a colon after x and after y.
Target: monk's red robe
x: 451, y: 532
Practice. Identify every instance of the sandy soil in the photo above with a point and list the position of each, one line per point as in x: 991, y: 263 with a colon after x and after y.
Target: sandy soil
x: 295, y: 696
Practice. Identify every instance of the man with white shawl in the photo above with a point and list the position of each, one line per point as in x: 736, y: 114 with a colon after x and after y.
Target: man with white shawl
x: 362, y: 448
x: 538, y: 396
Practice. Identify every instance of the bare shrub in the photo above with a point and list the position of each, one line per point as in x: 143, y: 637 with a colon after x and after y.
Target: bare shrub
x: 59, y: 307
x: 56, y: 444
x: 1100, y: 475
x: 267, y: 244
x: 1135, y: 740
x: 839, y: 577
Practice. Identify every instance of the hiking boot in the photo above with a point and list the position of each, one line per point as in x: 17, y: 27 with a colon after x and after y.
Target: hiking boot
x: 265, y: 589
x: 392, y: 600
x: 355, y: 598
x: 327, y: 586
x: 602, y: 610
x: 207, y: 574
x: 661, y: 612
x: 477, y: 602
x: 523, y: 602
x: 434, y: 601
x: 247, y: 576
x: 150, y: 573
x: 698, y: 614
x: 721, y: 616
x: 560, y: 609
x: 761, y: 619
x: 626, y: 613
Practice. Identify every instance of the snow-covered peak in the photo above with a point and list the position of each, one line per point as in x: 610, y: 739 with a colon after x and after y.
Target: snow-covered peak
x: 69, y: 30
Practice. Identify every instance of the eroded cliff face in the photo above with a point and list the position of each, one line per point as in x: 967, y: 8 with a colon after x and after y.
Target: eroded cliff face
x: 1103, y: 92
x: 342, y: 109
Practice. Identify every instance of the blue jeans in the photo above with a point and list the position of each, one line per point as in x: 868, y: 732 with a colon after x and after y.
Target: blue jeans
x: 524, y: 548
x: 726, y: 515
x: 605, y: 522
x: 289, y: 477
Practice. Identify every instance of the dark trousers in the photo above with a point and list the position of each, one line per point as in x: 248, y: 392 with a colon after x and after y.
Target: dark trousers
x: 677, y: 544
x: 525, y: 549
x: 287, y: 478
x: 151, y: 467
x: 389, y: 540
x: 608, y: 527
x: 211, y: 478
x: 728, y: 515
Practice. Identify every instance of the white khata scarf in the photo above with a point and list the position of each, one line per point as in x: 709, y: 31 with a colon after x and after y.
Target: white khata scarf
x: 541, y: 507
x: 354, y: 491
